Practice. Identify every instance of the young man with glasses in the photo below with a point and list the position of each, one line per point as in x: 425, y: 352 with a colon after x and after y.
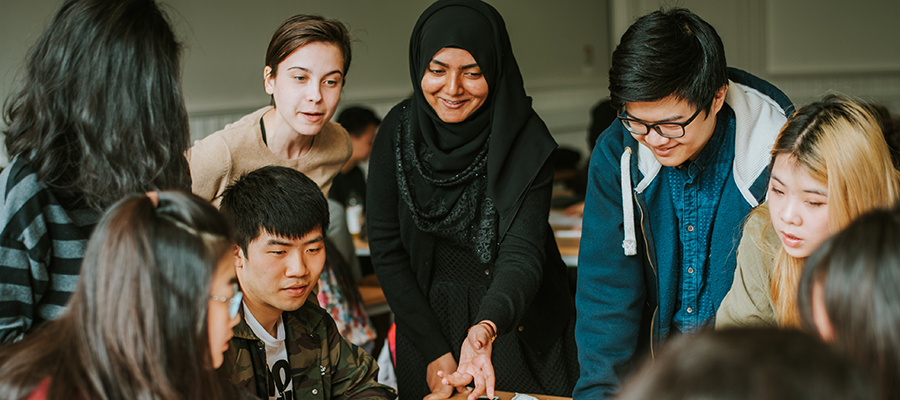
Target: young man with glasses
x: 670, y: 184
x: 286, y: 346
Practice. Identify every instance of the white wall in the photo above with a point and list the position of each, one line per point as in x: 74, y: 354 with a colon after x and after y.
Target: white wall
x: 223, y: 67
x: 226, y: 41
x: 805, y: 47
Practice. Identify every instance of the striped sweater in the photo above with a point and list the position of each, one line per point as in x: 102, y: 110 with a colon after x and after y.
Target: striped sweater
x: 42, y: 243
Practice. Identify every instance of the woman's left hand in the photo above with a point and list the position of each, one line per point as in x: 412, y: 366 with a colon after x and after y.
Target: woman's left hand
x: 475, y: 361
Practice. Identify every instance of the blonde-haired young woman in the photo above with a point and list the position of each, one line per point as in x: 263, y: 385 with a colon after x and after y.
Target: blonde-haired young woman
x: 830, y: 164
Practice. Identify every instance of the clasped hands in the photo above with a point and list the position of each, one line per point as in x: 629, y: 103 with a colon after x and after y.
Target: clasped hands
x: 443, y: 374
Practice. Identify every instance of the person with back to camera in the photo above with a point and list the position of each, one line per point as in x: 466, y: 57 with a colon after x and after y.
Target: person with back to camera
x: 362, y: 124
x: 286, y: 346
x: 669, y: 188
x: 112, y: 123
x: 750, y: 364
x: 150, y: 317
x: 848, y: 295
x: 458, y: 198
x: 306, y: 67
x: 347, y: 197
x: 830, y: 165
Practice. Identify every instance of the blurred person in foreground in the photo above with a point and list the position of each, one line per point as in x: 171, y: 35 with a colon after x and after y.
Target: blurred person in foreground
x: 848, y: 295
x: 749, y: 364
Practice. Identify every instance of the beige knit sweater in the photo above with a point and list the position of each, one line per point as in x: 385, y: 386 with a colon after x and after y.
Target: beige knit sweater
x: 221, y: 158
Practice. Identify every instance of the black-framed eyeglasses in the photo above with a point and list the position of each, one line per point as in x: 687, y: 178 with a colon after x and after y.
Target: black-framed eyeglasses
x: 234, y: 302
x: 671, y: 130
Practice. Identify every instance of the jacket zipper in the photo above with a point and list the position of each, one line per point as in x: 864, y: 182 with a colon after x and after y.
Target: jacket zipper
x: 655, y: 275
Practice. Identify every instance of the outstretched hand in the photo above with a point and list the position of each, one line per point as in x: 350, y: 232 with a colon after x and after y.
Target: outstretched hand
x: 475, y: 361
x: 443, y: 365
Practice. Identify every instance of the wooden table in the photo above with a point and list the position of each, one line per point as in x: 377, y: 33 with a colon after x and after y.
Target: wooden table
x: 372, y: 296
x: 509, y: 396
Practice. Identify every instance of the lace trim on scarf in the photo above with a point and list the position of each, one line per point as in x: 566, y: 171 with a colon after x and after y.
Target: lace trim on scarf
x: 475, y: 229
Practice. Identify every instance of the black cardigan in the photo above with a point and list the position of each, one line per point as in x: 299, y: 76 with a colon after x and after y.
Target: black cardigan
x: 528, y: 295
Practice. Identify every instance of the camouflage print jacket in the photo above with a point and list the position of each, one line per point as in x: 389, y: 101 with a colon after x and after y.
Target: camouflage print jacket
x: 323, y: 365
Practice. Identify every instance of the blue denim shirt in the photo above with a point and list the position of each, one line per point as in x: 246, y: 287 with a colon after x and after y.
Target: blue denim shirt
x: 696, y: 188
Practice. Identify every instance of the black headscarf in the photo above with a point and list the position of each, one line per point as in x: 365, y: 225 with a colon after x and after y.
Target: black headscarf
x: 518, y: 143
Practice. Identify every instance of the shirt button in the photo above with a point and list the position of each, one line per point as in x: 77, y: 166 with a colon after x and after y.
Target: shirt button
x: 690, y: 270
x: 521, y: 328
x: 690, y: 310
x: 315, y: 391
x: 690, y: 228
x: 487, y: 272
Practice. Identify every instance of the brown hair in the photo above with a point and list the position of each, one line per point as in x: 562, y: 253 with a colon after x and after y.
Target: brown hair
x: 302, y: 29
x: 136, y: 326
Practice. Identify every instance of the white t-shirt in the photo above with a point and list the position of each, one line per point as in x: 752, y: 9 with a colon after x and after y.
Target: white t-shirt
x: 276, y: 357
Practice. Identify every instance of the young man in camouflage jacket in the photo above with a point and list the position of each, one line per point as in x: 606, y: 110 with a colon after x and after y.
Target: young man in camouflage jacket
x: 286, y: 346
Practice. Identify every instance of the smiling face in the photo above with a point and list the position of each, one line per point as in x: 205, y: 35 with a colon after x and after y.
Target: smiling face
x: 453, y: 85
x: 278, y: 273
x: 674, y: 152
x: 219, y: 322
x: 307, y: 87
x: 798, y: 206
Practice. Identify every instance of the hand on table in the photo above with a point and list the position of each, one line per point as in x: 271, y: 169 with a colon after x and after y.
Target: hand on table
x: 444, y: 364
x: 475, y: 361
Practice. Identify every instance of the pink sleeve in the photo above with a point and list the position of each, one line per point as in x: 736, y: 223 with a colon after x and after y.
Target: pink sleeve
x: 40, y: 392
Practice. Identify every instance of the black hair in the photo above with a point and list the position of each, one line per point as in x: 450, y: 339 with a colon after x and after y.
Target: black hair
x: 602, y: 116
x: 749, y: 364
x: 356, y: 119
x: 100, y: 113
x: 859, y: 270
x: 278, y: 200
x: 668, y: 52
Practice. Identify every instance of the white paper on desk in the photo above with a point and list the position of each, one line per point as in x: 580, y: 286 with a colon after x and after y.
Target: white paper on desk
x: 558, y: 219
x: 567, y: 234
x: 520, y: 396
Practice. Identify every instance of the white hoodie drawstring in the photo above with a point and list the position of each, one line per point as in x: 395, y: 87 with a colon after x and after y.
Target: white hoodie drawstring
x: 629, y: 243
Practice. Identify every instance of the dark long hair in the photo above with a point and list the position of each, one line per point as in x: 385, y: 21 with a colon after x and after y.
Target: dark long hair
x: 859, y: 270
x: 100, y: 113
x: 136, y: 326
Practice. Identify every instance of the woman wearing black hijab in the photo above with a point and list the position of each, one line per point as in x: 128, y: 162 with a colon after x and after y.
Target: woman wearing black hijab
x: 458, y: 196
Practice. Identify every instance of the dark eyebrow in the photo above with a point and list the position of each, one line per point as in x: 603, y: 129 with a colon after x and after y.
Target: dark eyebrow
x: 316, y: 239
x: 776, y: 178
x: 662, y: 121
x: 277, y: 242
x: 308, y: 71
x: 467, y: 66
